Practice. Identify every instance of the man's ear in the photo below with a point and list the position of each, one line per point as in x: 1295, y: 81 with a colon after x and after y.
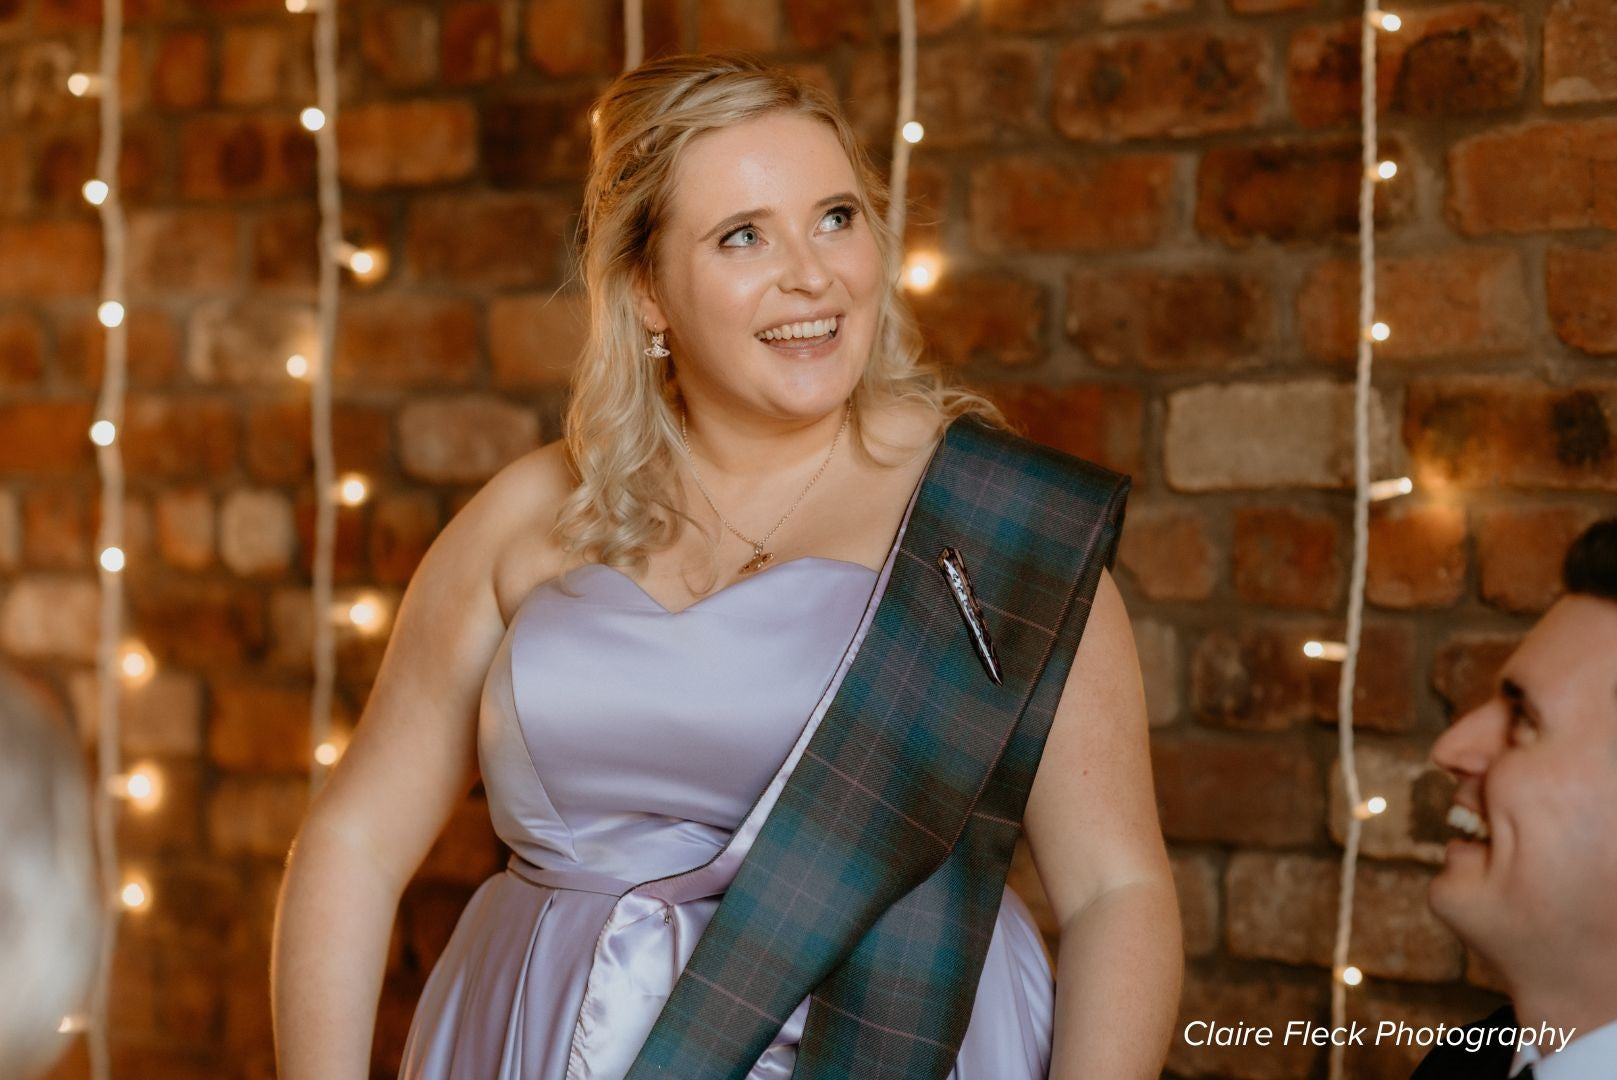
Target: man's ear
x: 651, y: 312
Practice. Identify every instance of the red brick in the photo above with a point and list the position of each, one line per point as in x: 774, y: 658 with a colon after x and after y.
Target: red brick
x: 262, y: 64
x: 737, y: 24
x: 535, y: 339
x: 209, y: 625
x: 474, y: 42
x: 256, y: 815
x: 1412, y: 826
x: 486, y: 239
x: 180, y: 75
x: 22, y: 347
x: 1466, y: 302
x: 185, y: 533
x: 1021, y: 15
x: 1165, y: 320
x: 68, y: 157
x: 152, y: 347
x: 406, y: 339
x: 1266, y: 998
x: 573, y: 37
x: 1496, y: 431
x: 1168, y: 554
x: 1195, y: 879
x: 995, y: 318
x: 1257, y: 792
x: 56, y: 528
x: 52, y: 617
x: 1161, y: 83
x: 348, y: 564
x: 1157, y: 645
x: 1465, y: 669
x: 406, y: 143
x: 1520, y: 550
x: 932, y: 17
x: 1290, y: 191
x: 1032, y: 204
x: 1580, y: 52
x: 1286, y: 559
x: 1126, y: 11
x: 172, y: 828
x: 44, y: 259
x: 1098, y: 422
x: 463, y: 440
x: 821, y: 24
x: 278, y: 448
x: 1454, y: 60
x: 526, y: 141
x: 400, y: 44
x: 286, y: 251
x: 260, y: 727
x: 255, y: 533
x: 1283, y: 907
x: 175, y: 436
x: 45, y: 437
x: 161, y: 717
x: 1257, y: 679
x: 467, y: 850
x: 10, y: 532
x: 182, y: 251
x: 245, y: 157
x: 1573, y: 184
x: 1269, y: 7
x: 78, y: 14
x: 14, y: 167
x: 402, y: 528
x: 967, y: 93
x: 1417, y: 556
x: 1582, y: 287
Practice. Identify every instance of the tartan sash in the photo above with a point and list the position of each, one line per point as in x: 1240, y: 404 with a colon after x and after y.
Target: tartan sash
x: 876, y: 879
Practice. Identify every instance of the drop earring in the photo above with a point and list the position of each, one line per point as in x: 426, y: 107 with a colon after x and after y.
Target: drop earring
x: 656, y: 351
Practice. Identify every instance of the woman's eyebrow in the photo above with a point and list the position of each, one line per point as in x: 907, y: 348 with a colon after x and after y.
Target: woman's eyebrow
x: 764, y: 212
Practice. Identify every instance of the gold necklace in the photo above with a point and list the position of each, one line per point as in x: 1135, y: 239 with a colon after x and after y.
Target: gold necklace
x: 760, y: 557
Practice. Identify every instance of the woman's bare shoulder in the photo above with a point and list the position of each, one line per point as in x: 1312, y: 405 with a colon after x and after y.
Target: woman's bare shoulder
x: 520, y: 504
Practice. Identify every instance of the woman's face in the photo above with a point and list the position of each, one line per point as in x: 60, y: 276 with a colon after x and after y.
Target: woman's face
x: 766, y: 231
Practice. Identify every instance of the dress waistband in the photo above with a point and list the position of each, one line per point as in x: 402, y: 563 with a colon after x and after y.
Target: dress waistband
x: 574, y: 880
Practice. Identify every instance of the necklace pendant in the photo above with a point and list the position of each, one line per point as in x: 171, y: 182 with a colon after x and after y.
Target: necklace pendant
x: 759, y: 560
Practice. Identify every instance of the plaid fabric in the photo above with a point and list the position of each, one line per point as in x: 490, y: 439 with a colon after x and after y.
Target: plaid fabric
x: 875, y: 880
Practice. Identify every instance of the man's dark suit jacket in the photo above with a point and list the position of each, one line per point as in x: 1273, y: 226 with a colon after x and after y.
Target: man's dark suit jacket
x: 1458, y: 1063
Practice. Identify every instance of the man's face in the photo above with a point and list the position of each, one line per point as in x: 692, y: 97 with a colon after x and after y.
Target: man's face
x: 1532, y: 878
x: 766, y: 227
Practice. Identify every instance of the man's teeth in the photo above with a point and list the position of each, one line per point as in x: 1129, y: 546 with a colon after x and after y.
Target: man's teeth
x: 1468, y: 821
x: 817, y: 328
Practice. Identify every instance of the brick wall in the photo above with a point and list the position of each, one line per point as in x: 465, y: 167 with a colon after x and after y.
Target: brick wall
x: 1146, y: 210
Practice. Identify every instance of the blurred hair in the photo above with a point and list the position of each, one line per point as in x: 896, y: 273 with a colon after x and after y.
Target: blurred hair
x: 621, y: 429
x: 50, y: 914
x: 1590, y: 566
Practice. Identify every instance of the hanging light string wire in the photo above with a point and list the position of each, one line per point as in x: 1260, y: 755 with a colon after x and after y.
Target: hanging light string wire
x: 1354, y: 824
x: 325, y: 471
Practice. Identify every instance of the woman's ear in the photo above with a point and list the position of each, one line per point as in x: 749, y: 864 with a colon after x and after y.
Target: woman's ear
x: 651, y: 312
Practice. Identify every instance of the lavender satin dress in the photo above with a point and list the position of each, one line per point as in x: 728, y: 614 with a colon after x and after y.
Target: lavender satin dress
x: 630, y: 756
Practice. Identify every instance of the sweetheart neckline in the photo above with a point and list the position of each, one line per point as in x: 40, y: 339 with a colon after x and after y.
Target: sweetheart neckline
x: 738, y: 583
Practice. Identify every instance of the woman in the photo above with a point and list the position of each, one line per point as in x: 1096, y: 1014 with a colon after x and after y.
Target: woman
x: 628, y: 686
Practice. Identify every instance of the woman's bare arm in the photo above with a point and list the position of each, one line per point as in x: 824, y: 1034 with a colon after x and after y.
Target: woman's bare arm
x: 411, y: 760
x: 1092, y: 827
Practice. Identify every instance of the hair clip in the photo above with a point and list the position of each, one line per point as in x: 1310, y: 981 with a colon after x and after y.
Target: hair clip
x: 953, y: 566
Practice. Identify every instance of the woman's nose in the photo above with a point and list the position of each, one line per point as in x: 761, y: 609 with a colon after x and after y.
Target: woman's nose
x: 805, y: 268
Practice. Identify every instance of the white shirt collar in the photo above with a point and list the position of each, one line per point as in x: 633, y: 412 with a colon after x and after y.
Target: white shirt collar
x: 1592, y: 1056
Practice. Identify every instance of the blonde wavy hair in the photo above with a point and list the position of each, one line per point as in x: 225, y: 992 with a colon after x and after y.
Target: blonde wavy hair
x: 621, y: 428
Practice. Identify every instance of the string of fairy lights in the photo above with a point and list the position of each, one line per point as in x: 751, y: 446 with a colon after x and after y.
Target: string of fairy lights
x: 124, y: 665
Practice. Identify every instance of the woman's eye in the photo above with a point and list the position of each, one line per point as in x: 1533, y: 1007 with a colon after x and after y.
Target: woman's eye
x: 846, y: 212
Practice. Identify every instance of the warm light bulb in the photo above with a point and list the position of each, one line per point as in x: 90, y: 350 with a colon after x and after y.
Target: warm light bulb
x: 362, y: 262
x: 1387, y: 170
x: 364, y: 614
x: 297, y: 7
x: 82, y: 84
x: 1325, y: 650
x: 112, y: 559
x: 143, y: 787
x: 326, y: 753
x: 111, y: 313
x: 921, y: 271
x: 134, y: 895
x: 352, y: 489
x: 913, y: 132
x: 297, y: 366
x: 1387, y: 21
x: 95, y: 192
x: 1382, y: 490
x: 1352, y: 976
x: 1376, y: 804
x: 135, y: 662
x: 312, y: 118
x: 102, y: 432
x: 1380, y: 331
